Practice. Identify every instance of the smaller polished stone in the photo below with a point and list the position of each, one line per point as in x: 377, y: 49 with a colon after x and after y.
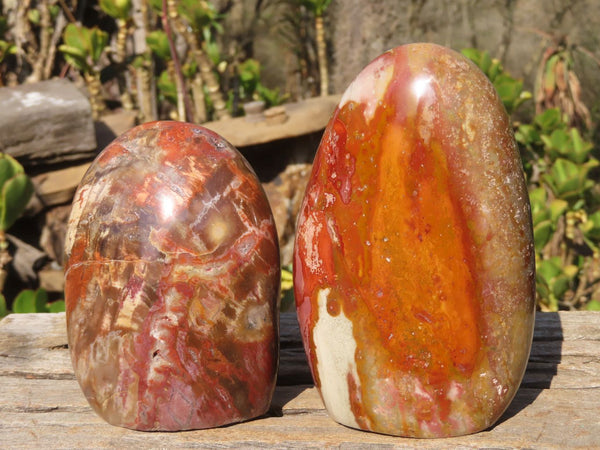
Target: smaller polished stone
x: 414, y: 270
x: 172, y: 282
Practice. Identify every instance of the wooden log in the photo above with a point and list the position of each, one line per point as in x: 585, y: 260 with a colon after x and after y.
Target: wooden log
x: 57, y: 187
x: 46, y: 123
x: 41, y: 404
x: 304, y: 117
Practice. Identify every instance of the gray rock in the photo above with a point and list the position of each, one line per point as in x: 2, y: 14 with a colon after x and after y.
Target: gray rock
x: 46, y: 123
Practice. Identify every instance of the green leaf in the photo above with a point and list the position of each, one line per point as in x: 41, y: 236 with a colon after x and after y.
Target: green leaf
x: 542, y: 233
x: 557, y: 208
x: 159, y: 44
x: 6, y: 48
x: 538, y: 196
x: 548, y: 269
x: 200, y: 15
x: 98, y: 42
x: 527, y: 135
x: 473, y: 54
x: 76, y: 37
x: 509, y: 90
x: 557, y: 144
x: 485, y: 62
x: 9, y: 167
x: 249, y: 74
x: 580, y: 148
x: 25, y: 302
x: 84, y: 45
x: 541, y: 287
x: 495, y: 71
x: 591, y: 228
x: 3, y: 308
x: 14, y: 197
x: 57, y: 306
x: 30, y: 301
x: 190, y: 69
x: 549, y: 120
x: 41, y: 300
x: 34, y: 16
x: 75, y: 57
x: 560, y: 285
x: 570, y: 271
x: 167, y: 88
x: 54, y: 10
x: 118, y: 9
x: 317, y: 7
x: 568, y: 180
x: 593, y: 305
x: 212, y: 49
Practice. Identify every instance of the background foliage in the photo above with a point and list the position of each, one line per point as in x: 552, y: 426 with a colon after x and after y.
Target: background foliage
x: 166, y: 59
x: 561, y: 166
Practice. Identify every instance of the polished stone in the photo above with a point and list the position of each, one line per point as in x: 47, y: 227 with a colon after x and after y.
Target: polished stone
x: 414, y: 262
x: 172, y: 282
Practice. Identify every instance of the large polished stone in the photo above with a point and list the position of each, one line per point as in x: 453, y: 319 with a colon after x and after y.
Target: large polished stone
x: 172, y: 282
x: 414, y: 262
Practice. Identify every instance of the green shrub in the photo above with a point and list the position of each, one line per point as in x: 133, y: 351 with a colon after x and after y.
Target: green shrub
x: 560, y: 167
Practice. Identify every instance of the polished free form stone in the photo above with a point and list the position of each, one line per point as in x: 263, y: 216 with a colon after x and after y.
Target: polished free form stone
x: 172, y: 282
x: 414, y: 262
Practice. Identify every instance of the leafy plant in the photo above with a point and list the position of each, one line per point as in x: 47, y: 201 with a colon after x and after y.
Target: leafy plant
x: 553, y: 279
x: 251, y: 87
x: 15, y: 191
x: 271, y: 97
x: 3, y: 308
x: 83, y: 48
x: 118, y: 9
x: 561, y: 171
x: 545, y: 215
x: 30, y: 301
x: 509, y: 89
x: 201, y: 15
x: 249, y: 76
x: 159, y: 44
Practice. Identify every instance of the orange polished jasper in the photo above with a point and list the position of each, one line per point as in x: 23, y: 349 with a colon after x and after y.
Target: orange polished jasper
x: 414, y: 263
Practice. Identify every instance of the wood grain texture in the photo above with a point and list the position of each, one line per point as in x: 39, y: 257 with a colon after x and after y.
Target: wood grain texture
x: 305, y: 117
x: 41, y: 405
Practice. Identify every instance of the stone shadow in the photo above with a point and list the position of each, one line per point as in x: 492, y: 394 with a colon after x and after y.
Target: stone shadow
x: 542, y: 366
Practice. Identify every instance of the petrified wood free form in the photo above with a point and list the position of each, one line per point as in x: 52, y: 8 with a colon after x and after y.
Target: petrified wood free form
x: 414, y: 263
x: 172, y: 282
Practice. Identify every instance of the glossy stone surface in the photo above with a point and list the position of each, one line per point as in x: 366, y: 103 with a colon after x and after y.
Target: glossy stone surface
x: 414, y: 263
x: 172, y: 282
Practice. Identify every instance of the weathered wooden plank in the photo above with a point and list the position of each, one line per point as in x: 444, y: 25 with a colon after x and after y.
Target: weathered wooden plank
x: 305, y: 117
x: 41, y: 404
x: 58, y: 187
x: 567, y: 326
x: 35, y: 345
x: 536, y: 419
